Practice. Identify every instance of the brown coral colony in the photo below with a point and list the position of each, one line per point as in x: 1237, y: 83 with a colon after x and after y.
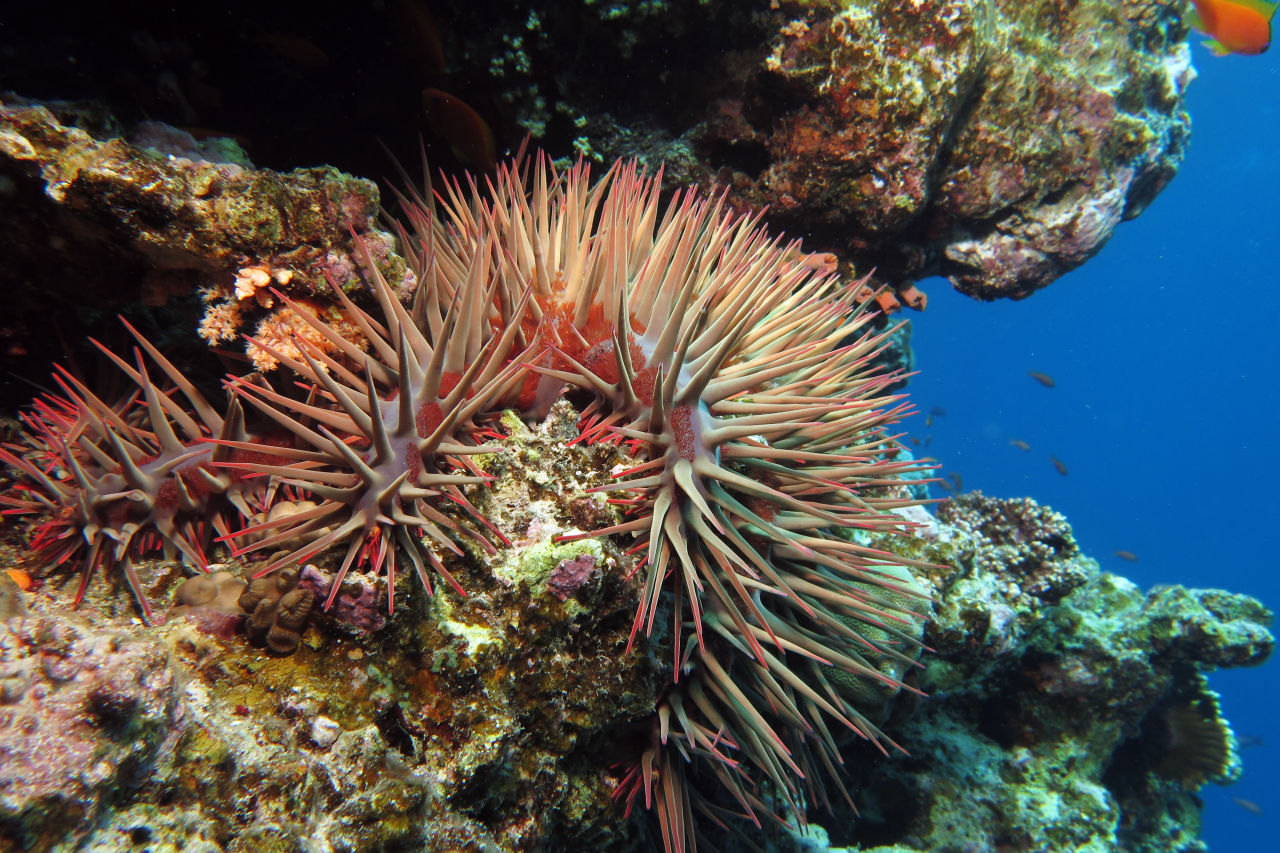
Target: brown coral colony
x: 734, y: 371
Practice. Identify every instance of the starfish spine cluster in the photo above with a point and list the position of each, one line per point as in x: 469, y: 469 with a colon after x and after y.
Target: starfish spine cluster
x: 121, y: 481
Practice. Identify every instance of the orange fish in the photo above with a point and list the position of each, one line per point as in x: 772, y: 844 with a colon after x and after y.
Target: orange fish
x: 1059, y: 464
x: 1127, y: 555
x: 1043, y: 378
x: 468, y: 135
x: 1019, y: 443
x: 1234, y: 26
x: 21, y: 578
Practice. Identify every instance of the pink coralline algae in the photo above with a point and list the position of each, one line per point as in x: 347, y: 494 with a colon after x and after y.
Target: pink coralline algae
x: 571, y: 574
x: 357, y: 605
x: 81, y: 709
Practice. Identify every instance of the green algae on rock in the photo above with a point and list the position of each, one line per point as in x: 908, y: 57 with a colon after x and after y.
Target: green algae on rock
x: 1049, y: 701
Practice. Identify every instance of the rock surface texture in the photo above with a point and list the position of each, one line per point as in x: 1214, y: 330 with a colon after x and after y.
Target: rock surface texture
x: 995, y: 142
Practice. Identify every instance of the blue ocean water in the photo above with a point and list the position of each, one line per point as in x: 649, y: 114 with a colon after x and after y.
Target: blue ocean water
x: 1166, y: 354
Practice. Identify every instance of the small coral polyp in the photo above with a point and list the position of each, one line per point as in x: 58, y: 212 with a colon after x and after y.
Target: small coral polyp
x: 123, y: 481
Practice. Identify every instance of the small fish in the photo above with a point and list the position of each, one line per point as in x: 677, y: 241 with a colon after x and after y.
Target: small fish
x: 1234, y: 26
x: 1248, y: 805
x: 1043, y: 378
x: 822, y: 263
x: 1127, y: 555
x: 1249, y: 741
x: 915, y: 442
x: 21, y: 578
x: 955, y: 478
x: 938, y: 412
x: 945, y: 486
x: 419, y: 36
x: 1059, y: 464
x: 1020, y: 444
x: 928, y: 420
x: 457, y: 123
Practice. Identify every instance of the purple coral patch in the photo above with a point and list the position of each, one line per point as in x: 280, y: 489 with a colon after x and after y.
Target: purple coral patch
x: 215, y: 623
x: 358, y: 604
x: 571, y: 574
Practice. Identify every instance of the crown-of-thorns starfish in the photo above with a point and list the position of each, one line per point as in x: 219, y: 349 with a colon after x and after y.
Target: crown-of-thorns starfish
x: 123, y: 481
x: 390, y: 443
x: 744, y: 381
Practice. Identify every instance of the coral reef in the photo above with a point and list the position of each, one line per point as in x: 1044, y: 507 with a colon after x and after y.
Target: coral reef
x: 467, y: 724
x: 736, y: 371
x: 996, y: 142
x: 1048, y: 724
x: 84, y: 714
x: 492, y: 722
x: 126, y: 222
x: 687, y: 573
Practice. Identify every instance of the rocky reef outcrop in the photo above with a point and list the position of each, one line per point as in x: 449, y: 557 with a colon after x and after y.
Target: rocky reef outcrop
x: 1068, y: 709
x: 1055, y: 692
x: 995, y: 142
x: 100, y: 219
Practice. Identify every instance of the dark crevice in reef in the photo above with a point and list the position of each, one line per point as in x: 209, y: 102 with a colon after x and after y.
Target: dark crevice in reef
x: 751, y: 158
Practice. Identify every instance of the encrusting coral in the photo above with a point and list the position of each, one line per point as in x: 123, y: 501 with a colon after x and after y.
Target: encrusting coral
x: 278, y: 611
x: 218, y: 591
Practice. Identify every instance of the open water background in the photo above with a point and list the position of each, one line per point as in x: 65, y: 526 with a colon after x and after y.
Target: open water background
x: 1166, y: 353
